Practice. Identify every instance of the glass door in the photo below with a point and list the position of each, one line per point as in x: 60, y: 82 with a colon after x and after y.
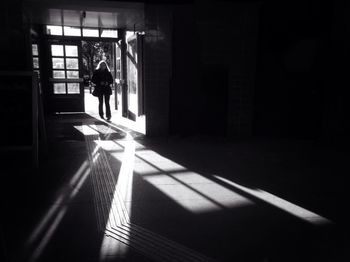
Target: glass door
x: 134, y: 59
x: 65, y: 77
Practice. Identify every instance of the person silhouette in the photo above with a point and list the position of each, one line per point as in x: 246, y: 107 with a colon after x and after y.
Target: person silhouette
x: 102, y: 79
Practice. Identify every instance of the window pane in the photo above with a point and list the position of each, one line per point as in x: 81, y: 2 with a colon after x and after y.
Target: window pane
x: 72, y: 63
x: 35, y: 49
x: 73, y: 88
x: 90, y: 32
x: 72, y: 74
x: 71, y: 50
x: 54, y: 30
x: 71, y: 31
x: 58, y: 74
x: 38, y: 72
x: 57, y: 63
x: 57, y: 50
x: 35, y: 62
x: 109, y: 33
x: 59, y: 88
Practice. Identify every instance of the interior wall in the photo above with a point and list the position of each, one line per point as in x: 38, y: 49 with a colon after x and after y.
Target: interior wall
x: 293, y: 68
x: 157, y: 68
x: 214, y: 55
x: 336, y: 120
x: 16, y: 52
x: 184, y: 93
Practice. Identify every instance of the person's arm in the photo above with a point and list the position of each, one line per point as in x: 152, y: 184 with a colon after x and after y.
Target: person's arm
x: 94, y: 78
x: 110, y: 78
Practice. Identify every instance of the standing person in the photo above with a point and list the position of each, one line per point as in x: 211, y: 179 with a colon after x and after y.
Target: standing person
x: 102, y: 78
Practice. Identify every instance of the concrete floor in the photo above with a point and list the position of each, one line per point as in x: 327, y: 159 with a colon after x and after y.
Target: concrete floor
x: 106, y: 193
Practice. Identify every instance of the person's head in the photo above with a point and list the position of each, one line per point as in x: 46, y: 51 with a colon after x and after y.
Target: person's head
x: 102, y: 65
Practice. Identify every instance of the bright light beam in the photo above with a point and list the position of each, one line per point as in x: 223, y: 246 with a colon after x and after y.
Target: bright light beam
x: 57, y: 210
x: 123, y: 190
x: 52, y: 228
x: 280, y: 203
x: 51, y: 212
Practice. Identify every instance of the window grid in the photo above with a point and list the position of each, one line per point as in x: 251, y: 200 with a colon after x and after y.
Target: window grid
x: 102, y: 32
x: 36, y: 59
x: 69, y: 73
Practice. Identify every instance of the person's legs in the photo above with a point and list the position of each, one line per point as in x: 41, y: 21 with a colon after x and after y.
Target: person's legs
x: 108, y: 108
x: 100, y: 105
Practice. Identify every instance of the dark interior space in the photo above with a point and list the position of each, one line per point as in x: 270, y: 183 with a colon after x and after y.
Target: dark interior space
x: 245, y: 148
x: 293, y: 62
x: 213, y: 107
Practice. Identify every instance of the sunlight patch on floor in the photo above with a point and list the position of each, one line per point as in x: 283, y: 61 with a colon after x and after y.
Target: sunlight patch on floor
x: 280, y: 203
x: 119, y: 212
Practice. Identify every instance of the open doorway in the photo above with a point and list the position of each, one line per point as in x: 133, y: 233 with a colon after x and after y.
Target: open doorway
x: 92, y: 53
x: 69, y: 60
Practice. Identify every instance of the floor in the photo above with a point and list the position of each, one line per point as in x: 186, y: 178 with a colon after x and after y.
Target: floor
x: 91, y: 108
x: 104, y: 192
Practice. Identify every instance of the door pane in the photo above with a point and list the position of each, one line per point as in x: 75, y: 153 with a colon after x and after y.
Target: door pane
x: 73, y: 88
x: 38, y: 72
x: 57, y: 63
x: 71, y: 50
x: 59, y: 88
x: 132, y: 76
x: 72, y: 74
x: 35, y: 62
x: 58, y: 74
x: 35, y: 49
x: 72, y: 63
x: 57, y: 50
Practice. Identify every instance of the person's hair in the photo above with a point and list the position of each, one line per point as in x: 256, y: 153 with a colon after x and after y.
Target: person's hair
x: 99, y: 65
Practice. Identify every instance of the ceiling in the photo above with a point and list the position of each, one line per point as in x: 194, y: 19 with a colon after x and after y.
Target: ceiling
x: 103, y: 14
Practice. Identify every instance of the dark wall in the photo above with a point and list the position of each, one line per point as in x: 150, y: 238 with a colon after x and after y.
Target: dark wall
x: 293, y: 74
x: 213, y: 68
x: 336, y: 120
x: 184, y: 85
x: 16, y: 53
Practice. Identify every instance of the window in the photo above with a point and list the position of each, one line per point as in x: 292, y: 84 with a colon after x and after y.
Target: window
x: 87, y: 32
x: 71, y: 31
x: 71, y: 50
x: 109, y: 33
x: 35, y: 55
x: 53, y: 30
x: 81, y: 31
x: 65, y: 65
x: 118, y: 63
x: 59, y: 88
x: 73, y: 88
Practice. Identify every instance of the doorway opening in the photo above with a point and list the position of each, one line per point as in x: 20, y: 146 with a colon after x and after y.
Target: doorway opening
x: 92, y: 53
x: 71, y: 55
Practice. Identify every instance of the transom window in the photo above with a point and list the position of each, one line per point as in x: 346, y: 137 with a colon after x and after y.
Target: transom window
x: 81, y: 31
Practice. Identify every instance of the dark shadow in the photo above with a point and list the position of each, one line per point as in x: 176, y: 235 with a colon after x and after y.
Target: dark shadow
x: 71, y: 222
x: 254, y: 232
x: 269, y: 231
